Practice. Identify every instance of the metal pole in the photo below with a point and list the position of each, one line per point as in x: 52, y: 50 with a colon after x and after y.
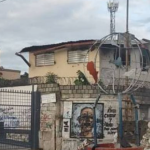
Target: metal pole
x: 120, y: 117
x: 127, y: 38
x: 127, y: 21
x: 136, y: 120
x: 94, y: 121
x: 127, y: 52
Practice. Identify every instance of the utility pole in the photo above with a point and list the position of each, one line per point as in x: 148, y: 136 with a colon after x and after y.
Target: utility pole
x: 128, y: 107
x: 112, y: 8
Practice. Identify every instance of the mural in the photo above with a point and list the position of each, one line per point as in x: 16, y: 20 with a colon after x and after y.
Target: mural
x: 66, y: 128
x: 82, y: 120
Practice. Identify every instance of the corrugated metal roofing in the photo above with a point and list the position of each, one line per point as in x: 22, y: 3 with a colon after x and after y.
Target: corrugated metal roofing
x: 55, y: 46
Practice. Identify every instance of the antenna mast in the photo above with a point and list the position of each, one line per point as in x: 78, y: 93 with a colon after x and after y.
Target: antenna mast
x: 112, y: 8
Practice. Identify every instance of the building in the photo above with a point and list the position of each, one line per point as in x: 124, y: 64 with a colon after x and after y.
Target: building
x: 66, y: 115
x: 9, y: 74
x: 63, y: 59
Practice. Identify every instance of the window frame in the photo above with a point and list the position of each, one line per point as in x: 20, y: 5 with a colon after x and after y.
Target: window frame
x: 85, y: 59
x: 42, y: 65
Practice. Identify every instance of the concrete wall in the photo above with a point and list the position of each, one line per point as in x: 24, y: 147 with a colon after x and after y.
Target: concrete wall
x: 62, y: 68
x: 54, y: 122
x: 107, y: 68
x: 10, y: 74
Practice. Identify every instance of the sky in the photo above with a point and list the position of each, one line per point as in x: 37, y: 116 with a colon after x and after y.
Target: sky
x: 25, y: 23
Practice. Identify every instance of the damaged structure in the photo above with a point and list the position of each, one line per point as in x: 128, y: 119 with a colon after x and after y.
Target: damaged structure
x: 69, y: 92
x: 66, y: 117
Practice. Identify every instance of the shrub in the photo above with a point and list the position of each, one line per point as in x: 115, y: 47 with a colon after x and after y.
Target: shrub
x: 51, y: 78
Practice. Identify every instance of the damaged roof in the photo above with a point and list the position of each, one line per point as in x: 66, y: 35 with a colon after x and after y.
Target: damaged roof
x: 57, y: 46
x: 69, y: 44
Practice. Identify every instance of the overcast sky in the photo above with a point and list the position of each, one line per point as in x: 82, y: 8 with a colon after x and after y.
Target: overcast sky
x: 26, y: 23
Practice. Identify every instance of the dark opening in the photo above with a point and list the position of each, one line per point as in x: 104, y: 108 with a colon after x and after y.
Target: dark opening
x: 122, y: 55
x: 146, y: 59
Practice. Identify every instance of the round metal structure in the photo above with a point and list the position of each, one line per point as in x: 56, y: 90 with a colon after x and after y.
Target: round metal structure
x: 112, y: 8
x: 115, y: 70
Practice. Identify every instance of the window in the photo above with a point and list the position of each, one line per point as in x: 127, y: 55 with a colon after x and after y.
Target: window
x: 122, y: 55
x: 78, y: 56
x: 146, y: 59
x: 46, y: 59
x: 144, y: 63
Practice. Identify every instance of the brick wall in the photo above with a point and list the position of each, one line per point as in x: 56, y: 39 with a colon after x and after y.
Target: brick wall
x: 50, y: 134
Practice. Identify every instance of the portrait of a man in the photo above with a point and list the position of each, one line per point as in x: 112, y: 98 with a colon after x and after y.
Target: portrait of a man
x: 86, y: 122
x: 82, y: 120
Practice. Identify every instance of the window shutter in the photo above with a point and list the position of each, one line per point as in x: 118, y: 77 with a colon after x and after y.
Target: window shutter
x: 45, y: 59
x: 78, y: 56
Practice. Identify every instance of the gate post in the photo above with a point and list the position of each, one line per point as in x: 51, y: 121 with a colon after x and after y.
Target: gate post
x: 35, y: 119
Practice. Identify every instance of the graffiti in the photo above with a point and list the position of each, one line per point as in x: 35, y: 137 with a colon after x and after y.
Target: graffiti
x: 66, y: 128
x: 109, y: 121
x: 18, y: 137
x: 46, y: 121
x: 45, y: 116
x: 67, y: 110
x: 92, y: 70
x: 8, y: 118
x: 83, y: 145
x: 82, y: 120
x: 46, y: 126
x: 13, y: 118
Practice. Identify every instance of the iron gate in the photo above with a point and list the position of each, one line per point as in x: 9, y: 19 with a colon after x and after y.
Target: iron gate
x: 19, y: 119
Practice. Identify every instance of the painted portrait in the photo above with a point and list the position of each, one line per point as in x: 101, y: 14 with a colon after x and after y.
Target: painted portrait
x: 82, y: 120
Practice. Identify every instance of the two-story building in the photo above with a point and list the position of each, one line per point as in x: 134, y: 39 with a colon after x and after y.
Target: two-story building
x: 62, y: 59
x: 65, y: 59
x: 73, y: 104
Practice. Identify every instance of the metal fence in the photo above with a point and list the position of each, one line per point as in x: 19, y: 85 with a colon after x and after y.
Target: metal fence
x: 36, y: 80
x: 17, y: 112
x: 66, y: 81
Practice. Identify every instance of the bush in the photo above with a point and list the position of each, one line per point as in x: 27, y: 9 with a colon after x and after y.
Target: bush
x: 51, y: 78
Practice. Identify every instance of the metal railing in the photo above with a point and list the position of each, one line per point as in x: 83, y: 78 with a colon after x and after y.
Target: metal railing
x: 65, y: 81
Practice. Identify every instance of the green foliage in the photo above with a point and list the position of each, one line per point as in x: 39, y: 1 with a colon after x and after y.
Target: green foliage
x: 51, y: 78
x: 4, y: 82
x: 25, y: 76
x: 78, y: 82
x: 82, y: 80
